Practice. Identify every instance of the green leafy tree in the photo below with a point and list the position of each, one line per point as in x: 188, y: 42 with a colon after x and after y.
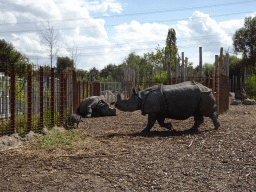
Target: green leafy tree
x: 157, y: 57
x: 82, y: 75
x: 171, y: 46
x: 245, y: 42
x: 207, y: 69
x: 64, y: 62
x: 236, y: 67
x: 9, y: 56
x: 94, y: 73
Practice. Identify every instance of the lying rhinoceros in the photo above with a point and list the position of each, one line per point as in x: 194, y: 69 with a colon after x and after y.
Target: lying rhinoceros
x: 94, y: 106
x: 179, y: 101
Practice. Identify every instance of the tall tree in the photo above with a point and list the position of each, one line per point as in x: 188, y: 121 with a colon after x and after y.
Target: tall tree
x: 50, y: 36
x: 245, y: 42
x: 171, y: 46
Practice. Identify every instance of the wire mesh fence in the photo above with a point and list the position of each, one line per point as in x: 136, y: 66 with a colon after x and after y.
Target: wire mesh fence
x: 41, y: 97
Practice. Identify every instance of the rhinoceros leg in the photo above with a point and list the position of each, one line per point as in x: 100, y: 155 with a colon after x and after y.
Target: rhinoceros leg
x: 151, y: 122
x: 199, y: 119
x: 215, y: 121
x: 160, y: 119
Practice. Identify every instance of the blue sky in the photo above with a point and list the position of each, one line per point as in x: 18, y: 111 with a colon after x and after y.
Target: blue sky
x: 106, y: 31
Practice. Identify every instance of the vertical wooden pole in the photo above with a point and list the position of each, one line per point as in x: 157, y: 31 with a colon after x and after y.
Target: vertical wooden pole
x: 134, y: 77
x: 200, y: 65
x: 186, y: 68
x: 250, y: 86
x: 29, y: 100
x: 144, y: 75
x: 52, y: 96
x: 41, y: 124
x: 233, y: 87
x: 214, y: 81
x: 152, y: 77
x: 62, y: 98
x: 138, y: 78
x: 169, y: 70
x: 165, y: 62
x: 245, y: 77
x: 218, y: 81
x: 13, y: 100
x: 236, y: 83
x: 182, y: 66
x: 176, y: 70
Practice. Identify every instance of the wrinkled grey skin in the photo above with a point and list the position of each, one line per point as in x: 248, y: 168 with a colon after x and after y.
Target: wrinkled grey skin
x: 241, y: 94
x: 87, y: 105
x: 74, y: 118
x: 179, y: 101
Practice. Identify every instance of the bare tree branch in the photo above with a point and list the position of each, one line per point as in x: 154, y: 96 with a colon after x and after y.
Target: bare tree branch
x: 50, y: 37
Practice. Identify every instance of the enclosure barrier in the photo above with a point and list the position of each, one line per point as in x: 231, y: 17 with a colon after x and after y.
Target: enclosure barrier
x: 219, y: 82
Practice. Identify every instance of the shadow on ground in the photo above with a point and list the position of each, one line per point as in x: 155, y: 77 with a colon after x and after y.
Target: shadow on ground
x: 157, y: 134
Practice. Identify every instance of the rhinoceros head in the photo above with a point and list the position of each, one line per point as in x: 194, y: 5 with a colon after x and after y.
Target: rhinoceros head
x: 132, y: 104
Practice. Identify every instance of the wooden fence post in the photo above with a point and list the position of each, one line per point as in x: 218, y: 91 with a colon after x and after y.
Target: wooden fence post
x: 176, y: 70
x: 41, y: 124
x: 200, y: 65
x: 186, y: 68
x: 214, y: 82
x: 250, y: 86
x: 29, y: 100
x: 62, y: 92
x: 138, y: 78
x: 218, y: 81
x: 182, y: 67
x: 169, y: 70
x: 144, y: 75
x: 52, y: 96
x: 13, y: 100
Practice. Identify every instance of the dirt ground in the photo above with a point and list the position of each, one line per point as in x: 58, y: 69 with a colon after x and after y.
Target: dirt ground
x: 113, y: 156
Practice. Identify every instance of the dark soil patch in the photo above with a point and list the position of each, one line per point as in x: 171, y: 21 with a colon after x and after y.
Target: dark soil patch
x: 113, y: 156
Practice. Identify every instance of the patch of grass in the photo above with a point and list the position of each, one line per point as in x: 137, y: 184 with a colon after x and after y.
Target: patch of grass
x: 224, y: 111
x: 57, y: 139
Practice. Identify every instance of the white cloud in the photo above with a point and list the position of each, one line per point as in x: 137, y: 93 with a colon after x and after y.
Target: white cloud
x: 71, y: 19
x: 201, y: 30
x: 232, y: 25
x: 104, y: 5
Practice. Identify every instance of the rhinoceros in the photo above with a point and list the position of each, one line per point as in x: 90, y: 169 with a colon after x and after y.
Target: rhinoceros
x: 93, y: 107
x: 179, y: 101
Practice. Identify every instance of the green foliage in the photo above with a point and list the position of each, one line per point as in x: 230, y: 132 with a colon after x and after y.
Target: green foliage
x: 11, y: 57
x: 94, y: 73
x: 21, y: 122
x: 157, y: 58
x: 64, y: 62
x: 244, y: 40
x: 82, y: 75
x: 108, y: 79
x: 235, y: 66
x: 163, y: 77
x: 253, y: 85
x: 207, y: 69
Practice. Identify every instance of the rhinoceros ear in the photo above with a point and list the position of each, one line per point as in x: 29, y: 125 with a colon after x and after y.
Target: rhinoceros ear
x: 118, y: 96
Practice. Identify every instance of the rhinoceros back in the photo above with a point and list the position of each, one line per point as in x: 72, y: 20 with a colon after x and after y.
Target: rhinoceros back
x: 182, y: 99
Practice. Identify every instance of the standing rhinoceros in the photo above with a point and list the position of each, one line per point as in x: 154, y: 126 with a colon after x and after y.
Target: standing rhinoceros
x: 94, y: 106
x: 179, y: 101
